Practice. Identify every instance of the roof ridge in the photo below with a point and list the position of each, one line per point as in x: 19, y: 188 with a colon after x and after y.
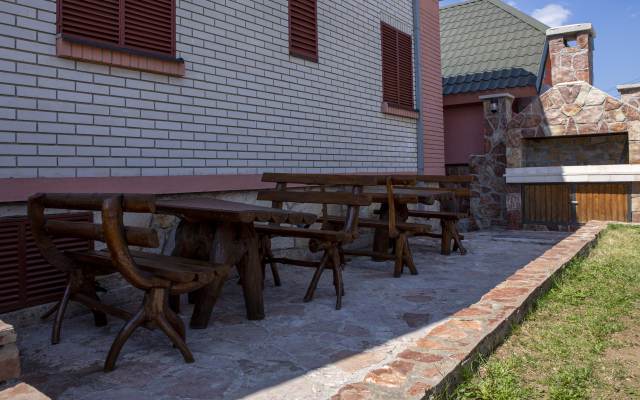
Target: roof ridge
x: 520, y: 15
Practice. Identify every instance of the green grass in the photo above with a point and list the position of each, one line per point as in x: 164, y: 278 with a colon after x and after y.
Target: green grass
x: 559, y: 351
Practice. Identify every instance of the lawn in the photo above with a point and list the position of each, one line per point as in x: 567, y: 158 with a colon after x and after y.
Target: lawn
x: 582, y: 339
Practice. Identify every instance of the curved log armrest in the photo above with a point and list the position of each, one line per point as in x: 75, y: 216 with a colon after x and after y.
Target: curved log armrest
x: 44, y: 242
x: 114, y: 234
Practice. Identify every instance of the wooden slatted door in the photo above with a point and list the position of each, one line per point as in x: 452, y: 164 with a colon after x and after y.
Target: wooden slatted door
x: 547, y: 203
x: 26, y: 279
x: 602, y: 202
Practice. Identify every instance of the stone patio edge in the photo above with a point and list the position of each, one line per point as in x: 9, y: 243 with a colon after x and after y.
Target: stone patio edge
x: 431, y: 365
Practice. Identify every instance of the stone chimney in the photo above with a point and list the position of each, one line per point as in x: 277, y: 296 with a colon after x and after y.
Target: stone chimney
x: 630, y: 94
x: 571, y: 64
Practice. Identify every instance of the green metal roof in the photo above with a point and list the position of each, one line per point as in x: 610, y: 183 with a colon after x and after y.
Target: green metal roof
x: 488, y: 35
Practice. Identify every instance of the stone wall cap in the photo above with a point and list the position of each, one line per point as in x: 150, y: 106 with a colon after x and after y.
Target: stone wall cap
x: 627, y: 87
x: 572, y: 83
x: 497, y: 96
x: 563, y: 30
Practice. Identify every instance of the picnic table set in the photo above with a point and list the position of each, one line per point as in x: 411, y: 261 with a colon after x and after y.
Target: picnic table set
x: 215, y: 235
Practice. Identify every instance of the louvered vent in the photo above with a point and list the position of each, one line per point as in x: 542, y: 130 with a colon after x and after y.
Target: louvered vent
x: 92, y: 20
x: 303, y: 28
x: 26, y: 279
x: 397, y: 67
x: 147, y: 26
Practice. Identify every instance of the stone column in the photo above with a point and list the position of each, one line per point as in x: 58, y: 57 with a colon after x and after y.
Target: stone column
x: 488, y: 197
x: 571, y: 64
x: 630, y: 94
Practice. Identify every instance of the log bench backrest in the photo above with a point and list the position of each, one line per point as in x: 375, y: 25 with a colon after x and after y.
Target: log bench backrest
x: 112, y: 230
x: 455, y: 179
x: 353, y: 200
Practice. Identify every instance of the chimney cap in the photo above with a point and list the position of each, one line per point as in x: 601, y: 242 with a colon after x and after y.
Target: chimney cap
x: 628, y: 87
x: 567, y: 30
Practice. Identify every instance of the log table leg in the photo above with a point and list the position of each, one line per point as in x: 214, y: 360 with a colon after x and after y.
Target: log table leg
x: 381, y: 240
x: 233, y: 244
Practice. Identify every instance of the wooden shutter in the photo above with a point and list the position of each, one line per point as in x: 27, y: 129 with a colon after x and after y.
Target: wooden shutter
x: 26, y: 279
x: 147, y: 26
x: 303, y: 29
x: 397, y: 67
x: 92, y: 20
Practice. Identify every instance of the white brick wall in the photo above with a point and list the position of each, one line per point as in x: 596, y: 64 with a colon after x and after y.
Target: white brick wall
x: 244, y: 107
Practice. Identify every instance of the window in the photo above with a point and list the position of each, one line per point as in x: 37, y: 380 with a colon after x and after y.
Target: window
x: 303, y: 29
x: 397, y: 67
x: 145, y: 26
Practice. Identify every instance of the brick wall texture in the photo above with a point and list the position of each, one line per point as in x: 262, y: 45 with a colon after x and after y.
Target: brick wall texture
x: 245, y: 106
x: 589, y: 150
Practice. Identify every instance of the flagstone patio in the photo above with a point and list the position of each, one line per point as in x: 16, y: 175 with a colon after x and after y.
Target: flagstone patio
x: 299, y: 351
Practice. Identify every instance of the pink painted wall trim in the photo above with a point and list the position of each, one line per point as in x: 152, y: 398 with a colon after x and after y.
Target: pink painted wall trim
x: 19, y: 189
x: 96, y: 55
x: 386, y: 108
x: 433, y: 132
x: 464, y: 125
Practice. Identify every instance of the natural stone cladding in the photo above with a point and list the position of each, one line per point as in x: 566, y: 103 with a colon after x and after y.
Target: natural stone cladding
x: 488, y: 196
x: 432, y: 365
x: 568, y: 109
x: 9, y: 362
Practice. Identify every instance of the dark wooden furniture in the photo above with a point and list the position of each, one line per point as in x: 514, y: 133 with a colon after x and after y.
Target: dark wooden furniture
x: 393, y: 228
x: 223, y: 232
x: 156, y: 275
x: 326, y: 239
x: 398, y: 211
x: 447, y: 219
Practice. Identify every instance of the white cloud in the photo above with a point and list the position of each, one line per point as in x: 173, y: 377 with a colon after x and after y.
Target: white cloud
x: 512, y: 3
x: 553, y: 15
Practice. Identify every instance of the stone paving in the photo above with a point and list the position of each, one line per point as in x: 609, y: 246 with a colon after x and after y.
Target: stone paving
x: 300, y: 350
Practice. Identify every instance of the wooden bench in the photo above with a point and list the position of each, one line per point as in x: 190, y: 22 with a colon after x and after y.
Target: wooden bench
x: 157, y: 275
x: 398, y: 231
x: 326, y: 239
x: 447, y: 219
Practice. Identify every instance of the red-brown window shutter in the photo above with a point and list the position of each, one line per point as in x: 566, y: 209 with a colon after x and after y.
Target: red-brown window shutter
x: 397, y: 67
x: 303, y: 29
x: 26, y: 279
x: 147, y: 26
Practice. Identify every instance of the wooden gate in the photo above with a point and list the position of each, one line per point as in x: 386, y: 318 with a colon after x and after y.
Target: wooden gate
x: 574, y: 204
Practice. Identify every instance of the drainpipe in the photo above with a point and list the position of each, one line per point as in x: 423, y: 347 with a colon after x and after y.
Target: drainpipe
x: 418, y: 73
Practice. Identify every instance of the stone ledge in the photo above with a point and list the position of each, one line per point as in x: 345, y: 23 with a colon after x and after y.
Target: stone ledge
x: 96, y: 55
x: 432, y: 365
x: 21, y: 391
x: 401, y: 112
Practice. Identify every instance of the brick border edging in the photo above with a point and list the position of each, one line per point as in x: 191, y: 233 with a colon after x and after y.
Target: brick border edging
x: 432, y: 364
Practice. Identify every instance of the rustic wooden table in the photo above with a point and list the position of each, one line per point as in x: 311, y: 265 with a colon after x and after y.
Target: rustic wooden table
x: 401, y: 197
x: 222, y: 232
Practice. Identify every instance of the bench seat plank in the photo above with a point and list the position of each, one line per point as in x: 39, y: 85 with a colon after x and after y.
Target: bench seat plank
x: 437, y: 214
x: 324, y: 235
x: 161, y: 265
x: 382, y: 224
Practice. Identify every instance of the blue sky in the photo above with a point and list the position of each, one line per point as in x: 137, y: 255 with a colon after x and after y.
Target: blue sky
x: 617, y: 25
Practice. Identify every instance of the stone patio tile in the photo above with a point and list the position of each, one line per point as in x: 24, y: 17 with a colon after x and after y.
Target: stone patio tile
x: 393, y: 338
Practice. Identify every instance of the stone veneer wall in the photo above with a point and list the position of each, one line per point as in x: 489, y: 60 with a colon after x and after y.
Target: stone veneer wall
x: 575, y: 108
x: 488, y: 197
x: 630, y: 95
x: 570, y: 64
x: 591, y: 150
x: 9, y: 362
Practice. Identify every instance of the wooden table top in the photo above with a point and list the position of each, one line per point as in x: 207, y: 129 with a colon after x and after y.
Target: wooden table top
x: 408, y: 196
x: 222, y: 210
